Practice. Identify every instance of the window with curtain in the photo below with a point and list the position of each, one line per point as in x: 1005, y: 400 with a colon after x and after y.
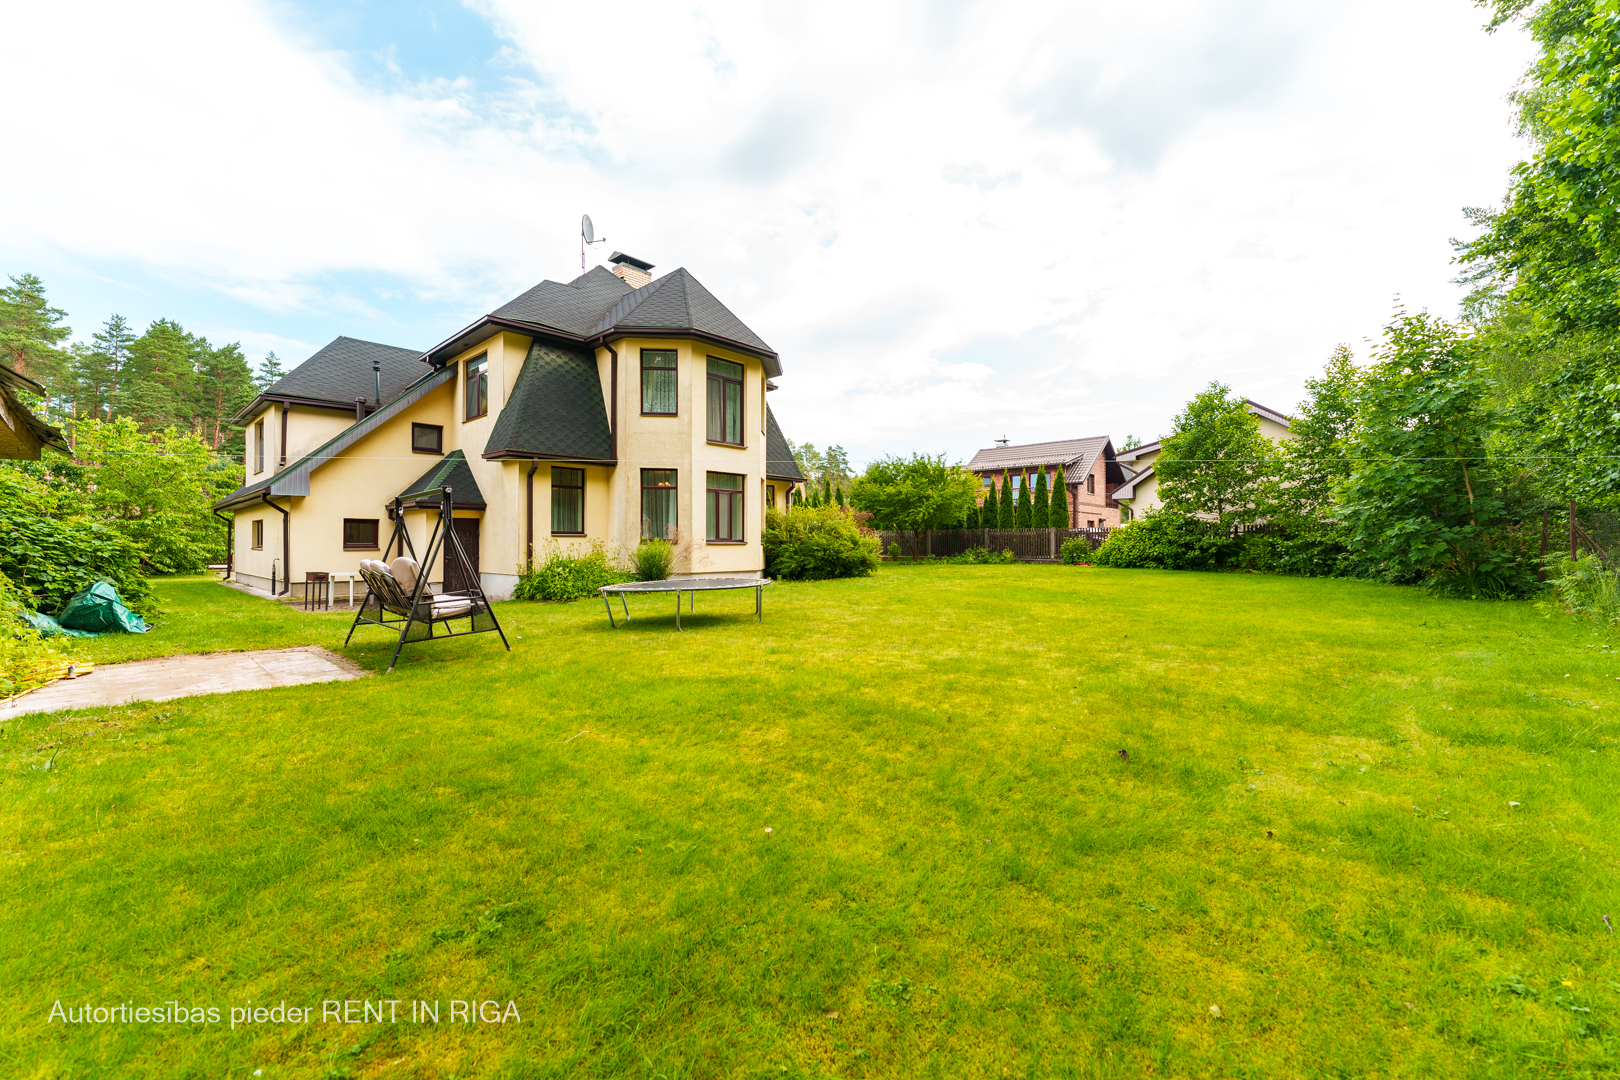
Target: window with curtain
x: 258, y: 447
x: 725, y: 401
x: 770, y: 496
x: 359, y: 534
x: 658, y: 504
x: 725, y: 507
x: 658, y: 397
x: 258, y: 534
x: 427, y: 438
x: 567, y: 500
x: 477, y: 387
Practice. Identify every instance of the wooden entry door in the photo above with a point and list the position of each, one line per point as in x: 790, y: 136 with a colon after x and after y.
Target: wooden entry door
x: 458, y: 578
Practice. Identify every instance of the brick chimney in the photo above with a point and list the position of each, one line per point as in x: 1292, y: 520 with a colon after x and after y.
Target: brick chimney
x: 634, y: 271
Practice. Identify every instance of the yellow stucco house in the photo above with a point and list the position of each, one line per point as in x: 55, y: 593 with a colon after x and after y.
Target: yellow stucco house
x: 613, y: 408
x: 1139, y: 494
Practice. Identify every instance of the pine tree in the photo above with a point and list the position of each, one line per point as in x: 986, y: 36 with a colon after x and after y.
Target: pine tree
x: 1037, y: 514
x: 31, y: 333
x: 1004, y: 505
x: 270, y: 373
x: 1021, y: 512
x: 226, y: 385
x: 99, y: 368
x: 1057, y: 512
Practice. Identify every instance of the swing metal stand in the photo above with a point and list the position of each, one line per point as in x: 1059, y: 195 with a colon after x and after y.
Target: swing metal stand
x: 423, y: 615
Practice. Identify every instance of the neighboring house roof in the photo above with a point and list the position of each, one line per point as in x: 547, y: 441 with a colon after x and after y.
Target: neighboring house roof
x: 598, y: 307
x: 1268, y: 414
x: 294, y: 479
x: 452, y: 472
x: 42, y: 431
x: 779, y: 461
x: 1136, y: 453
x: 1127, y: 490
x: 555, y: 409
x: 1077, y: 456
x: 340, y: 372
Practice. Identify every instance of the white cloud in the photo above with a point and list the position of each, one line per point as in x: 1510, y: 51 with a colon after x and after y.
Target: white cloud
x: 956, y: 221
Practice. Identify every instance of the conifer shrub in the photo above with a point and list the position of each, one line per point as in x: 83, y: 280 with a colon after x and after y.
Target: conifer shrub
x: 1038, y: 512
x: 808, y: 543
x: 1004, y: 505
x: 1057, y: 511
x: 1021, y: 514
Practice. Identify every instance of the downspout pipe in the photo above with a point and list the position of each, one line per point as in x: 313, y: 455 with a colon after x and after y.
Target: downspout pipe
x: 286, y: 542
x: 534, y: 463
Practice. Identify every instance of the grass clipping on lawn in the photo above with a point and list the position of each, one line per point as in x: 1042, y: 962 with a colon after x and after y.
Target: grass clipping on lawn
x: 945, y: 820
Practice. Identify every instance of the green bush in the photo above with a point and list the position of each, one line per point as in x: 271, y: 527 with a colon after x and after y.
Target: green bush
x: 1075, y: 550
x: 653, y: 560
x: 51, y: 548
x: 1167, y: 541
x: 894, y: 551
x: 979, y: 555
x: 565, y: 578
x: 27, y: 659
x: 1584, y: 587
x: 1318, y: 550
x: 813, y: 543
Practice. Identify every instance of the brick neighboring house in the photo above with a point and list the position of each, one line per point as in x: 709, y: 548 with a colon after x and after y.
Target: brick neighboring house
x: 1090, y: 472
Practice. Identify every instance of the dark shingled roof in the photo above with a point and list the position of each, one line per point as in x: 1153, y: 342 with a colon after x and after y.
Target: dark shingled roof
x: 341, y: 372
x: 575, y: 307
x: 453, y: 472
x: 556, y: 409
x: 678, y: 301
x: 598, y: 304
x: 779, y: 463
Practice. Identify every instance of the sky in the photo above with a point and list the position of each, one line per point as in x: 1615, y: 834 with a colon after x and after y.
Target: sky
x: 955, y: 221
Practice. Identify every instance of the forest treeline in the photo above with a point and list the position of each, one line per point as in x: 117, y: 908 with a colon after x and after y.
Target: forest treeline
x: 162, y: 377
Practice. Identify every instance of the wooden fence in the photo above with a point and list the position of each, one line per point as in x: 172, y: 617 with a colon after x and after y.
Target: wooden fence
x: 1027, y: 545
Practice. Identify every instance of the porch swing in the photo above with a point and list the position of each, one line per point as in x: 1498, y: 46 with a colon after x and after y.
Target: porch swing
x: 397, y: 595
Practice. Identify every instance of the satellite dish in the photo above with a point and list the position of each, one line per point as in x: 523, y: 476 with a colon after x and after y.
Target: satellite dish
x: 587, y: 230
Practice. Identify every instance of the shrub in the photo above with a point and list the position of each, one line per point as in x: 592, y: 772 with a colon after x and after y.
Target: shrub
x: 1316, y: 550
x: 1167, y: 541
x: 27, y: 660
x: 813, y: 543
x: 653, y: 560
x: 894, y: 551
x: 564, y: 578
x: 979, y: 555
x: 51, y: 548
x: 1076, y: 549
x: 1585, y: 588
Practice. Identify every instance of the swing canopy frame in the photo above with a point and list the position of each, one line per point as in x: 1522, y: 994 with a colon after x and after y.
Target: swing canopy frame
x: 416, y: 613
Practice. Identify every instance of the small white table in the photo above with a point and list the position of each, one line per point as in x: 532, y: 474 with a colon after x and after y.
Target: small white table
x: 351, y: 576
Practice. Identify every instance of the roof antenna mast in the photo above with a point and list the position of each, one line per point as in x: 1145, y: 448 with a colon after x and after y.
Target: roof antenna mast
x: 587, y: 235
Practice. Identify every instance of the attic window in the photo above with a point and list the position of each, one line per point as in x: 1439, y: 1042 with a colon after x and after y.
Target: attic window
x: 1091, y: 484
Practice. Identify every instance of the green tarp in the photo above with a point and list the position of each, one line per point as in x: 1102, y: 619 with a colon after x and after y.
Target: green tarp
x: 96, y: 609
x: 50, y: 627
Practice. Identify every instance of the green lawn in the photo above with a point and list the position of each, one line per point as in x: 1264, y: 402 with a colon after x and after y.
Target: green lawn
x: 889, y: 832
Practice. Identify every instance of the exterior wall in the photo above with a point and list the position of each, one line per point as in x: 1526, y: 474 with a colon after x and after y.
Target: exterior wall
x: 502, y: 533
x: 307, y: 429
x: 680, y: 442
x: 1146, y: 499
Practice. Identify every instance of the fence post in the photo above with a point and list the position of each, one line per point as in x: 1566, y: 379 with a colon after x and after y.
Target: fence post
x: 1572, y: 530
x: 1541, y: 567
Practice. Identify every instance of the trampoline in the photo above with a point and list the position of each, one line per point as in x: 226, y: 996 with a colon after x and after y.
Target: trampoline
x: 690, y: 586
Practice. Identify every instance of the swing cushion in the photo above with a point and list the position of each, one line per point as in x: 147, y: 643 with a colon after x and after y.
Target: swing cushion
x: 404, y: 570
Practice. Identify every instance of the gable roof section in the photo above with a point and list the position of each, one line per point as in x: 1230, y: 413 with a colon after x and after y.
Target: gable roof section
x: 42, y: 431
x: 779, y: 462
x: 1268, y: 414
x: 294, y: 479
x: 598, y: 307
x: 340, y: 371
x: 452, y: 472
x: 556, y: 409
x: 1077, y: 456
x: 1127, y: 490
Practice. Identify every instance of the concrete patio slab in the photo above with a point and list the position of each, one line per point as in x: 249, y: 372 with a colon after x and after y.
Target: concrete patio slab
x: 168, y: 677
